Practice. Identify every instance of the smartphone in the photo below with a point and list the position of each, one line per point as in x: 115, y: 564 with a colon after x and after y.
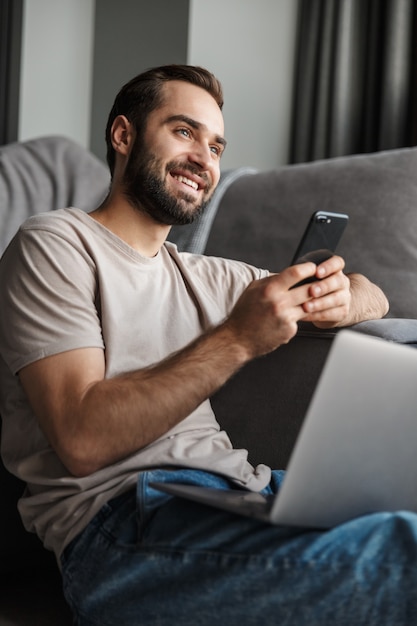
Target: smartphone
x: 320, y: 238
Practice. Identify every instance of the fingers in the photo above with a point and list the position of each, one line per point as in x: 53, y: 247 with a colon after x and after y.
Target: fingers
x: 331, y: 266
x: 334, y: 306
x: 295, y: 274
x: 267, y: 313
x: 327, y: 301
x: 333, y: 283
x: 331, y: 300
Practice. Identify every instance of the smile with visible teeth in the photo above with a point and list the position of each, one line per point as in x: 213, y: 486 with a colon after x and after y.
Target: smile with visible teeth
x: 187, y: 181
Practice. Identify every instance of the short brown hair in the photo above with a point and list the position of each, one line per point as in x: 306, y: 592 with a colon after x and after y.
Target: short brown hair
x: 142, y: 95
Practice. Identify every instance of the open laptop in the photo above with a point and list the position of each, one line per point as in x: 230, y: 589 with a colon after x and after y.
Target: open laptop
x: 357, y: 449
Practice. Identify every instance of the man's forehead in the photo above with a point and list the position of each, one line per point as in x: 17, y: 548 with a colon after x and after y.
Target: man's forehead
x: 183, y: 89
x: 181, y: 98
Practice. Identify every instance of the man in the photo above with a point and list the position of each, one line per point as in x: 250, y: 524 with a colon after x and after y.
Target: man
x: 111, y: 344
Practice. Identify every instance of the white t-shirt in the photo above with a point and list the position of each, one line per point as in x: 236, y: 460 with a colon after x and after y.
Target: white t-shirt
x: 67, y: 282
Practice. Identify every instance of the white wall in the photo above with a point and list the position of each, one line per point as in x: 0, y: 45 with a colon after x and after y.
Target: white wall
x: 56, y: 70
x: 250, y: 46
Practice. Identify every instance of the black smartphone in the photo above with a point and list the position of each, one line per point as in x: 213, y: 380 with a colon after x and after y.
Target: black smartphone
x: 320, y: 238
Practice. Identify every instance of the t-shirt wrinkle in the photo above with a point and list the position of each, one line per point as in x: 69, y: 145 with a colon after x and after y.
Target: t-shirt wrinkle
x: 67, y: 282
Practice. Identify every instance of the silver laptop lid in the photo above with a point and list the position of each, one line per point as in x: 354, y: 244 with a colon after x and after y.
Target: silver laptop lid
x: 357, y: 450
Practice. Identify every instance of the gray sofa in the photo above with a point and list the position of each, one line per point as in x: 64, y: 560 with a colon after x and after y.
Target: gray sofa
x: 256, y: 217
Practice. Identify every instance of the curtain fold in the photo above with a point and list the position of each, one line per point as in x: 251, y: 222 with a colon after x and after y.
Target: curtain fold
x: 355, y: 84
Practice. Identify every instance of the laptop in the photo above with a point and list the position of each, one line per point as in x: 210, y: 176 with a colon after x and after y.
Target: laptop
x: 357, y: 449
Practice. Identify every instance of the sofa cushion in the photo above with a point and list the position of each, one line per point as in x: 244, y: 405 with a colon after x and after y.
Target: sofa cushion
x: 45, y: 174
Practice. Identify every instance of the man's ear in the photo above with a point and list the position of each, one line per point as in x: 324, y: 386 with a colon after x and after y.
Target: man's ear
x: 122, y: 135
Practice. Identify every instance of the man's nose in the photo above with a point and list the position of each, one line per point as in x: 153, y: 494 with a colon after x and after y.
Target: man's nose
x: 202, y: 156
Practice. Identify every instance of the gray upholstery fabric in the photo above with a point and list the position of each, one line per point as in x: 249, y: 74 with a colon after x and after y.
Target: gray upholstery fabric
x: 398, y: 330
x: 193, y: 237
x: 46, y: 174
x: 262, y: 217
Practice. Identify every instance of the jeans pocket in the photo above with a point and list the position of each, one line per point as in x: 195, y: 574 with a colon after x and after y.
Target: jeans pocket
x: 150, y: 499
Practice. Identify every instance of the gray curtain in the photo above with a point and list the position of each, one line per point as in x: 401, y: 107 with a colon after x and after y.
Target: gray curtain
x: 355, y: 86
x: 11, y: 15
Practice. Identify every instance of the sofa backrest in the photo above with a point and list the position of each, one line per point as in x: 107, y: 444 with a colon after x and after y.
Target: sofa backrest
x: 35, y: 176
x: 45, y: 174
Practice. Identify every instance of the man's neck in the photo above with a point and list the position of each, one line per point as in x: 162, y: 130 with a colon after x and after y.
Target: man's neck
x: 136, y: 228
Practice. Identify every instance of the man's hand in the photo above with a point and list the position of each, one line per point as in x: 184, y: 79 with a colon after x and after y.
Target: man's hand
x: 330, y: 297
x: 267, y: 313
x: 343, y: 300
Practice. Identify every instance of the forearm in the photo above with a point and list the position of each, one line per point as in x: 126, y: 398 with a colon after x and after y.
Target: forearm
x: 368, y: 301
x: 121, y: 415
x: 360, y: 300
x: 92, y: 421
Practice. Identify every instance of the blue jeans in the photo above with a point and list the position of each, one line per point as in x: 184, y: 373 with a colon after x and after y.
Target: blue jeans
x: 150, y: 559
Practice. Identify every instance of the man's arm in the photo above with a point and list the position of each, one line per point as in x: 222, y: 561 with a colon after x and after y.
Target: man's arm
x: 92, y: 421
x: 368, y: 300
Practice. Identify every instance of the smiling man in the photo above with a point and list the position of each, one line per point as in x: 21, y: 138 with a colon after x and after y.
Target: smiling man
x: 174, y: 167
x: 112, y: 343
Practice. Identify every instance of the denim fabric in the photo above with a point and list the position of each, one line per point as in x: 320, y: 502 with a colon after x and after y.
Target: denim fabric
x: 148, y: 558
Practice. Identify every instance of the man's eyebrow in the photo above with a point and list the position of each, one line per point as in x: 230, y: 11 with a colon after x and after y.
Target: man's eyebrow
x: 194, y: 124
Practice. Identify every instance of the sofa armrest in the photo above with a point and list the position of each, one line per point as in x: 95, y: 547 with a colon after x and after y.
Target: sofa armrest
x: 398, y: 330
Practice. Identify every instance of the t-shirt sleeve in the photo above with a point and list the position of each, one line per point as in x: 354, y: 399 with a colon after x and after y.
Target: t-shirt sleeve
x: 48, y: 298
x: 221, y: 280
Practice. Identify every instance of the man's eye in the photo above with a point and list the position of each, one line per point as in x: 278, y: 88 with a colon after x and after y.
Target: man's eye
x: 216, y: 150
x: 184, y: 132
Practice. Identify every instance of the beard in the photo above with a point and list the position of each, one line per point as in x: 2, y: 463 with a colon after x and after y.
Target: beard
x: 145, y: 187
